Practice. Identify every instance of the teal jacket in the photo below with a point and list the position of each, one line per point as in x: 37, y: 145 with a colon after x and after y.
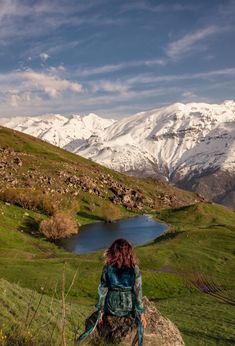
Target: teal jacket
x: 119, y: 294
x: 120, y: 291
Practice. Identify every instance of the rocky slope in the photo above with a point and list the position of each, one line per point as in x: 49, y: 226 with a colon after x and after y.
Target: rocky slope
x: 29, y: 163
x: 191, y: 145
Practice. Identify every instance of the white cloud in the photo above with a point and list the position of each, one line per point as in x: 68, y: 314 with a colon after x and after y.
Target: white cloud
x: 44, y: 56
x: 149, y: 78
x: 109, y: 86
x: 189, y: 95
x: 56, y: 69
x: 188, y: 43
x: 128, y: 95
x: 100, y: 69
x: 46, y: 16
x: 23, y: 92
x: 52, y: 85
x: 157, y: 8
x: 16, y: 100
x: 117, y: 67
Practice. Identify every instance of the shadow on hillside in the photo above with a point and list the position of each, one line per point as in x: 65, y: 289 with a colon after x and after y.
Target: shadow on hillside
x: 30, y: 226
x: 90, y: 216
x: 167, y: 236
x: 205, y: 335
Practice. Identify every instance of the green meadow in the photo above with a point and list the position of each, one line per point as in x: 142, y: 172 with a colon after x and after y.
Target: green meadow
x: 200, y: 240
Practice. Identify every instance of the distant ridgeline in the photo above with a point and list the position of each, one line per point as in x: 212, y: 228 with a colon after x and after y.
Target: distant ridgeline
x: 191, y: 145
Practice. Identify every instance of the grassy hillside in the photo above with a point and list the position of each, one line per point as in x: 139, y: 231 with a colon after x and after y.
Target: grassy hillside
x: 201, y: 240
x: 199, y: 243
x: 27, y: 162
x: 31, y: 318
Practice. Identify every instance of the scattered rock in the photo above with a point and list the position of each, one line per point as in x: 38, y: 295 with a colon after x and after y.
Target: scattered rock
x: 73, y: 181
x: 18, y: 161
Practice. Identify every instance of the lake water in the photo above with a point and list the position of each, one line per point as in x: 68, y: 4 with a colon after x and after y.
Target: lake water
x: 137, y: 230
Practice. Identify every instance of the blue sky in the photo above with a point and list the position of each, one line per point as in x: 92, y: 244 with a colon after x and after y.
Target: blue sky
x: 114, y: 57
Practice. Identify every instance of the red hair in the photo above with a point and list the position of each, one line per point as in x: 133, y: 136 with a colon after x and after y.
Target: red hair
x: 120, y: 254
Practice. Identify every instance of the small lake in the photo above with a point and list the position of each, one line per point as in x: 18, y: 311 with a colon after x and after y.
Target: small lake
x: 137, y: 230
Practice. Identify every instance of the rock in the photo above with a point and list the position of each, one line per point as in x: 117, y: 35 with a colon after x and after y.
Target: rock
x: 160, y: 331
x: 126, y: 199
x: 3, y: 164
x: 8, y: 150
x: 17, y: 161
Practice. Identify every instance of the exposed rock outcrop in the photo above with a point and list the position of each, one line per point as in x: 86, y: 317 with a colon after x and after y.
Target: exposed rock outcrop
x: 122, y: 330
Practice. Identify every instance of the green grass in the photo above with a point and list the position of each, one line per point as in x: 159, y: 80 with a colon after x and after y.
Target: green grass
x: 31, y: 318
x: 201, y: 319
x: 201, y: 239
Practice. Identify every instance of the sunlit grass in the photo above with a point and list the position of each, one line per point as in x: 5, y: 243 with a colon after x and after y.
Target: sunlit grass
x: 203, y: 243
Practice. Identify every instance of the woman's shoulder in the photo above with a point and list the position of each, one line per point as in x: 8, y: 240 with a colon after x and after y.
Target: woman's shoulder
x: 136, y: 267
x: 137, y: 270
x: 105, y: 268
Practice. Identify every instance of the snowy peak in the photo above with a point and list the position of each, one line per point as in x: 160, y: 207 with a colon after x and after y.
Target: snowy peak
x: 176, y: 139
x: 58, y: 129
x: 169, y: 136
x: 179, y: 143
x: 94, y: 122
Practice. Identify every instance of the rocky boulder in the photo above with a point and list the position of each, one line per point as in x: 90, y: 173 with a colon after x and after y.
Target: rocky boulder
x: 160, y: 331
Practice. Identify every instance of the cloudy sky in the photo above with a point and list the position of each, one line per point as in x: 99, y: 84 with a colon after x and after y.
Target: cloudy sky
x: 114, y: 57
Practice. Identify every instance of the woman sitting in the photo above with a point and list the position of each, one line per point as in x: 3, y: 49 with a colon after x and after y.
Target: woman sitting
x: 120, y: 293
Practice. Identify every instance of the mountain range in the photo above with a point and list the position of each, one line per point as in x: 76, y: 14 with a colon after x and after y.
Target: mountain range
x: 190, y: 145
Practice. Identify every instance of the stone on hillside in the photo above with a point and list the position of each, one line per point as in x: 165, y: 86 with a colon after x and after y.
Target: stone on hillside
x: 18, y: 161
x: 122, y: 330
x: 8, y: 150
x: 3, y: 165
x: 126, y: 199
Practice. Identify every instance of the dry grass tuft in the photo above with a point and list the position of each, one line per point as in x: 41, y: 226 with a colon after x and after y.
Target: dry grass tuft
x: 37, y: 200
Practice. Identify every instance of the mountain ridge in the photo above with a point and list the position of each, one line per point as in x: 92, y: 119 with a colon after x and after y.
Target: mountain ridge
x: 179, y: 143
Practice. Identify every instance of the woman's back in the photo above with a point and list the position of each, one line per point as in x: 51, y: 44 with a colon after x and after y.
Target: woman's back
x: 120, y: 290
x: 120, y: 277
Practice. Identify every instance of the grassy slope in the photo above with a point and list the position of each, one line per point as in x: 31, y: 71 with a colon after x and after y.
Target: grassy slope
x: 204, y: 243
x: 31, y: 318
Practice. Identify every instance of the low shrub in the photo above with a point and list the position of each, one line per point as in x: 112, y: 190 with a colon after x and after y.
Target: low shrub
x: 60, y: 225
x: 37, y: 200
x: 110, y: 212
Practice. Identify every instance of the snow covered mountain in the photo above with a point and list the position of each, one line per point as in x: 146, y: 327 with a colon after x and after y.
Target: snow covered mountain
x: 58, y: 129
x: 173, y: 140
x: 191, y: 145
